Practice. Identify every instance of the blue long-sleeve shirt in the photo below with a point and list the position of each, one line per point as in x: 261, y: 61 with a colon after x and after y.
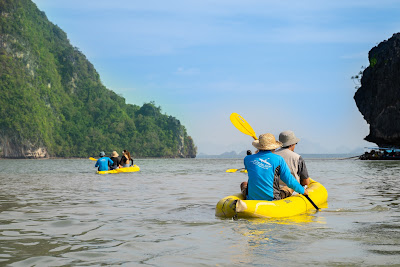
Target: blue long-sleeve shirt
x: 264, y: 170
x: 102, y: 163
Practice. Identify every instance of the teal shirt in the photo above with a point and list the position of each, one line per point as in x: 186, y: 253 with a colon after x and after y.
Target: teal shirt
x: 102, y: 163
x: 264, y: 171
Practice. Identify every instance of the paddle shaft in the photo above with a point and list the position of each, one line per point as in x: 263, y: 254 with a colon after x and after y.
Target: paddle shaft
x: 309, y: 199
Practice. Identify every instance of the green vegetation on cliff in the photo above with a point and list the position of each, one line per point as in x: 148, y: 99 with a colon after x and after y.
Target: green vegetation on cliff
x: 52, y: 97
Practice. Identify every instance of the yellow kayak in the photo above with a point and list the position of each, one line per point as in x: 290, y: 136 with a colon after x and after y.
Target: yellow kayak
x: 134, y: 168
x: 235, y: 207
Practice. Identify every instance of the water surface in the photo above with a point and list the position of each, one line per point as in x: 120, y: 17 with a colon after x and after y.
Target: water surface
x: 60, y: 213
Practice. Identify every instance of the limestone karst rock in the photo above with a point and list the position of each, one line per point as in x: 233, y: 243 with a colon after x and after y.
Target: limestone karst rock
x: 378, y: 98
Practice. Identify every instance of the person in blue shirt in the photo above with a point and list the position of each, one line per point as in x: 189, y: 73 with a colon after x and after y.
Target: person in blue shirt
x: 103, y: 162
x: 265, y: 169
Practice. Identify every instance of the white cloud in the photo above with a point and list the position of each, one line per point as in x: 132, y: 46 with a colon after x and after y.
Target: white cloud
x: 187, y: 71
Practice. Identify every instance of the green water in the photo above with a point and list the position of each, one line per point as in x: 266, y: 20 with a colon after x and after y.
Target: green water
x: 60, y: 213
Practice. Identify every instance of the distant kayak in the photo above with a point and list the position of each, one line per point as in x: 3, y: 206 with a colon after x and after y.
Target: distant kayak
x: 235, y: 207
x: 134, y: 168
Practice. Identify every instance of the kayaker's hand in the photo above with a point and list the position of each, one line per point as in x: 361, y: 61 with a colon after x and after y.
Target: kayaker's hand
x: 305, y: 192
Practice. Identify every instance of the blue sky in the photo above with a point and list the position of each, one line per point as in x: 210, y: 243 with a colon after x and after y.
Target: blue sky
x: 282, y: 65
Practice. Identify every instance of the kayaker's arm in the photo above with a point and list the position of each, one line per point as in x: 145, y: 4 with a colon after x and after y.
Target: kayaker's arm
x: 303, y: 173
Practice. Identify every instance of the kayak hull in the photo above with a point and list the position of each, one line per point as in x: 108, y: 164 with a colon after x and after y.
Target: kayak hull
x: 235, y: 207
x: 133, y: 168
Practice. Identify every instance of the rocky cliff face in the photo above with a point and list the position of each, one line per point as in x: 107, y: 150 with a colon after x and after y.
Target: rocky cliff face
x: 378, y: 98
x: 12, y: 147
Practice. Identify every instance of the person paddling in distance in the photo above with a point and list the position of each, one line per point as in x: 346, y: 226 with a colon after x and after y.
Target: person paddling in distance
x: 103, y: 161
x: 264, y: 171
x: 126, y: 159
x: 115, y: 160
x: 295, y: 162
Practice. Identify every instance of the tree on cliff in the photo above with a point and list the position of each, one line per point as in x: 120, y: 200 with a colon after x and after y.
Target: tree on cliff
x: 52, y: 98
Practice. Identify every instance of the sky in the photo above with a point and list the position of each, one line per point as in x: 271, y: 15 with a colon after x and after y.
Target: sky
x: 281, y: 65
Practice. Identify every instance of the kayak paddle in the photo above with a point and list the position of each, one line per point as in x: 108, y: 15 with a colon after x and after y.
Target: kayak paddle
x: 242, y: 125
x: 309, y: 199
x: 234, y: 170
x: 92, y: 159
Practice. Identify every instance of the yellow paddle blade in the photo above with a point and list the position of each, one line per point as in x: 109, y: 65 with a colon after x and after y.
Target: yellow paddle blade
x: 242, y: 125
x: 93, y: 159
x: 235, y: 170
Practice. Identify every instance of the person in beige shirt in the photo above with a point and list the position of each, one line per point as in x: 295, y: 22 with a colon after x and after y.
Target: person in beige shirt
x: 295, y: 162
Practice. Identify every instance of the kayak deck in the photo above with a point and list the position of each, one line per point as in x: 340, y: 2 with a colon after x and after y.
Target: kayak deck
x: 133, y: 168
x: 236, y: 207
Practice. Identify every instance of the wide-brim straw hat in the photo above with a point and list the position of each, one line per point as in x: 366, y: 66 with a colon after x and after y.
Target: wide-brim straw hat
x: 288, y: 138
x: 114, y: 154
x: 266, y: 142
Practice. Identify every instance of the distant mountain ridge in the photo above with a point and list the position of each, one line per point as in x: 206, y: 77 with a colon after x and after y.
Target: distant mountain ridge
x: 241, y: 155
x: 225, y: 155
x: 53, y: 104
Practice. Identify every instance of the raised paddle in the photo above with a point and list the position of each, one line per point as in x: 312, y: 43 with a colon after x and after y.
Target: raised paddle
x: 92, y: 159
x: 242, y: 125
